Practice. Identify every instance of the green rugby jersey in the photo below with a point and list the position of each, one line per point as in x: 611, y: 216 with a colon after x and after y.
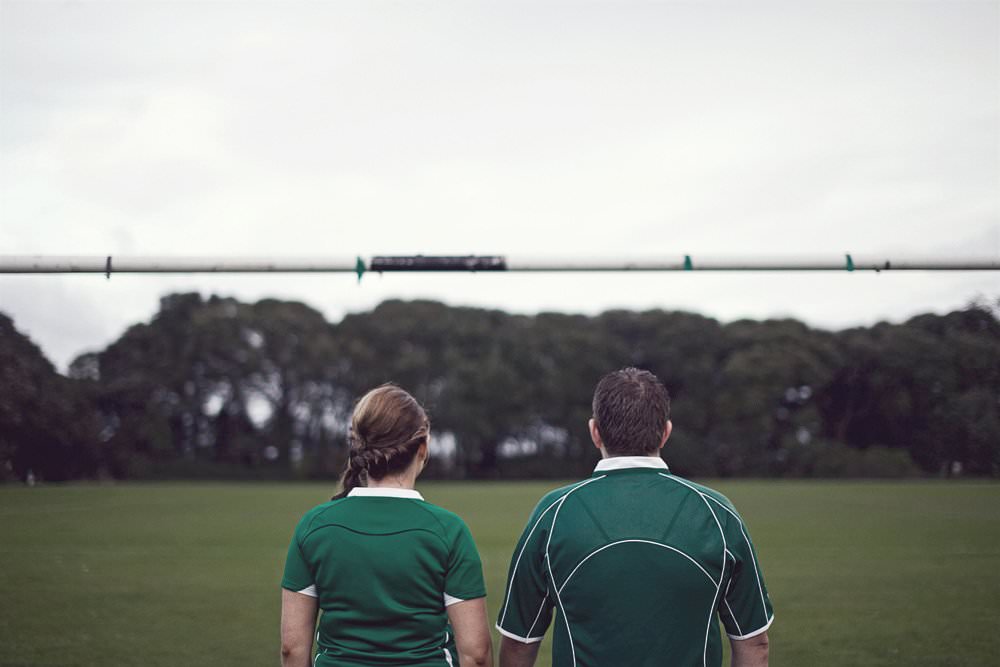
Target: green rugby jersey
x: 384, y: 564
x: 641, y: 565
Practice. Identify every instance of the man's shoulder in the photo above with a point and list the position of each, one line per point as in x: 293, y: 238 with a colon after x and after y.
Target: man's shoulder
x: 551, y: 498
x: 715, y: 497
x: 557, y: 494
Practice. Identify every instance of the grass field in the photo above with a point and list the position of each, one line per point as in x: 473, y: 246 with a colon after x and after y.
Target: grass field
x: 186, y: 574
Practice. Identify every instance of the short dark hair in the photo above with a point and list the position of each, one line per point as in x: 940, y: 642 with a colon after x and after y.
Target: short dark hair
x: 631, y: 409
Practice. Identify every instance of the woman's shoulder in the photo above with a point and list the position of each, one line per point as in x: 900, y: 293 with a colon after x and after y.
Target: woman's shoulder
x: 312, y: 514
x: 448, y: 520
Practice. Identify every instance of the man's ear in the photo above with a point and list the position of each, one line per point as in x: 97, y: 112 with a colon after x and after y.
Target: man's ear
x: 595, y: 435
x: 666, y: 433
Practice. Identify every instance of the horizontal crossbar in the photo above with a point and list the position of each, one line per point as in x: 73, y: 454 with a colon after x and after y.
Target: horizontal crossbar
x: 108, y: 264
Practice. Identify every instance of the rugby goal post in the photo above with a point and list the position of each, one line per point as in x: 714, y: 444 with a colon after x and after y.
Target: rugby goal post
x: 108, y: 264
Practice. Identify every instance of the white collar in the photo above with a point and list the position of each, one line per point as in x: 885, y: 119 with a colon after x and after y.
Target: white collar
x: 385, y: 492
x: 622, y: 462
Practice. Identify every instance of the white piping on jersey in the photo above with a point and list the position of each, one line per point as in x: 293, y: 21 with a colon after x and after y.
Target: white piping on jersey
x: 753, y: 558
x: 548, y: 561
x: 309, y: 590
x: 732, y: 614
x: 722, y: 573
x: 541, y: 607
x: 523, y: 640
x: 450, y: 600
x: 755, y: 632
x: 612, y: 544
x: 447, y: 655
x: 725, y: 596
x: 517, y: 561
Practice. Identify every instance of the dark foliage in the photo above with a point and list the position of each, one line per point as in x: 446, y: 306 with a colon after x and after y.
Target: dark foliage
x: 222, y: 388
x: 47, y: 427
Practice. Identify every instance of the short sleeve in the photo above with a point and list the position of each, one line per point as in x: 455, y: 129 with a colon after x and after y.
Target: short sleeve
x: 298, y: 576
x: 527, y: 607
x: 464, y: 575
x: 745, y: 608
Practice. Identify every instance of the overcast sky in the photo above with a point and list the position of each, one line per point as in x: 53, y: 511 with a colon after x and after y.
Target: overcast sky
x: 577, y: 128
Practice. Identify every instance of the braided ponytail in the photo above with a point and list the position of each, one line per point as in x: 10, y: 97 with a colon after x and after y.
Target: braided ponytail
x: 356, y: 472
x: 387, y: 428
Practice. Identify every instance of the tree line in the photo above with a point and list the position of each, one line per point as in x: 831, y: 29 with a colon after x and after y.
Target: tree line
x: 220, y: 388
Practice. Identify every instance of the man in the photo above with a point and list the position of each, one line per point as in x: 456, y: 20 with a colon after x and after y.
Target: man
x: 639, y: 563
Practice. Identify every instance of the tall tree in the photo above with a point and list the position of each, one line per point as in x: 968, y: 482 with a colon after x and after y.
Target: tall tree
x: 47, y: 428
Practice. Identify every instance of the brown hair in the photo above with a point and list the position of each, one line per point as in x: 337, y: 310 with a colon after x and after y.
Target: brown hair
x: 631, y: 409
x: 387, y: 428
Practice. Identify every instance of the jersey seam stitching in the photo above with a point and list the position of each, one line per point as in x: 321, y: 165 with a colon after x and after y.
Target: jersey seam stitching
x: 722, y: 573
x: 441, y: 525
x: 753, y: 558
x: 517, y: 560
x: 361, y: 532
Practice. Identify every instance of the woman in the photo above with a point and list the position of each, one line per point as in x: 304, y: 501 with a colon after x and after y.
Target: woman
x: 389, y: 570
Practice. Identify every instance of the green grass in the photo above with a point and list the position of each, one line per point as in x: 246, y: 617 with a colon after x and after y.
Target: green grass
x: 186, y: 574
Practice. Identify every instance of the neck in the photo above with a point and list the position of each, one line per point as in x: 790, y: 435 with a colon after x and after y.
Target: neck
x: 404, y: 480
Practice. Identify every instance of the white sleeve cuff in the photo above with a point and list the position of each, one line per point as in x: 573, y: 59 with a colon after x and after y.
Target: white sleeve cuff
x: 523, y: 640
x: 310, y: 591
x: 755, y: 632
x: 450, y: 600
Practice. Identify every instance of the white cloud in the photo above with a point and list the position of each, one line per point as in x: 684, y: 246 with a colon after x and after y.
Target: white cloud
x: 376, y: 127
